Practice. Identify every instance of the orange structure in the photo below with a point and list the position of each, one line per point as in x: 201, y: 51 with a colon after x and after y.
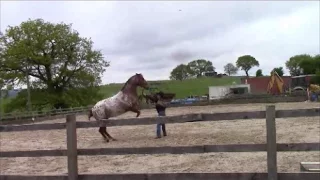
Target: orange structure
x: 275, y: 85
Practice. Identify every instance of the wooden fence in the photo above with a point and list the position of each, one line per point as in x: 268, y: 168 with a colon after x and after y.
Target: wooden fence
x: 38, y: 115
x: 72, y: 152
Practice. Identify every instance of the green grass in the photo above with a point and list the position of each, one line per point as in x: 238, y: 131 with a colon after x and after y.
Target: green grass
x: 181, y: 88
x: 4, y: 101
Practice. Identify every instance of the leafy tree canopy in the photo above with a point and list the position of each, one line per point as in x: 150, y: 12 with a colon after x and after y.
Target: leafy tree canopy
x: 180, y: 72
x: 293, y: 64
x: 303, y: 64
x: 61, y: 63
x: 279, y: 70
x: 246, y: 62
x: 259, y: 73
x: 310, y: 65
x: 197, y: 67
x: 316, y: 78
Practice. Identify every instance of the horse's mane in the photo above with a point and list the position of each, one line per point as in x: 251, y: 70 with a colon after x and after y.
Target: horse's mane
x: 125, y: 84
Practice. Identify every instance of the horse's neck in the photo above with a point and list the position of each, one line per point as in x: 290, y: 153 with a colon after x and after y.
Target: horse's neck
x: 130, y: 89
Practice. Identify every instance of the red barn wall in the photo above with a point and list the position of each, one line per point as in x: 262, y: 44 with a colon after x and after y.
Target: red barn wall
x: 260, y: 84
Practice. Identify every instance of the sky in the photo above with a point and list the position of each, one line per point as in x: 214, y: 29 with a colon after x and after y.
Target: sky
x: 153, y: 37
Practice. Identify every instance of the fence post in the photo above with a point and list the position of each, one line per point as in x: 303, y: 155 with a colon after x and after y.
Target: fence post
x: 271, y: 142
x: 72, y: 147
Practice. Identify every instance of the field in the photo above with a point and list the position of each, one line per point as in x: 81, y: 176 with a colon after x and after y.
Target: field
x: 181, y: 88
x: 291, y: 130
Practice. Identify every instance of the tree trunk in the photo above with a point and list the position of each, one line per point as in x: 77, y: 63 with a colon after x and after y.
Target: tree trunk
x: 247, y: 73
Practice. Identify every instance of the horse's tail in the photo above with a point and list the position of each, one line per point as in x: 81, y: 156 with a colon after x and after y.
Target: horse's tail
x: 90, y: 114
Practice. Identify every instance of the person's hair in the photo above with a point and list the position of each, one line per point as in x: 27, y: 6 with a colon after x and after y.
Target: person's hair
x: 161, y: 94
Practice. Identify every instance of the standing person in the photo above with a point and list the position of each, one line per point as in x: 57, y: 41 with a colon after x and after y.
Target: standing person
x: 161, y: 109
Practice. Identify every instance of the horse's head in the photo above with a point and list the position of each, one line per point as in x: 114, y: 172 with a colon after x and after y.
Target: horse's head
x: 139, y: 80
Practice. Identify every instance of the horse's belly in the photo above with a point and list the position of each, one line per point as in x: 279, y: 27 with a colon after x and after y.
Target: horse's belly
x: 113, y: 106
x: 115, y: 109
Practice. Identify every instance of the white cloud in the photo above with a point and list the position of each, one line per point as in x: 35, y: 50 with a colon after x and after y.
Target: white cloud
x: 154, y: 37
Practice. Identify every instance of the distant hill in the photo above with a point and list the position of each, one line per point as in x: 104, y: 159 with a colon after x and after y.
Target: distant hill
x: 199, y: 86
x: 182, y: 89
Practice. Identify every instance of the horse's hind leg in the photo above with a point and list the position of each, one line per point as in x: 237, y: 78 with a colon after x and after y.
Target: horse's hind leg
x: 105, y: 133
x: 102, y: 131
x: 90, y: 114
x: 109, y: 135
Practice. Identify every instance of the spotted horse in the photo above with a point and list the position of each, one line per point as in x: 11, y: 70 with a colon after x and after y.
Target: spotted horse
x: 125, y: 100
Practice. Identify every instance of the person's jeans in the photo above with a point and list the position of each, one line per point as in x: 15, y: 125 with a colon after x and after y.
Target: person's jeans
x: 159, y: 125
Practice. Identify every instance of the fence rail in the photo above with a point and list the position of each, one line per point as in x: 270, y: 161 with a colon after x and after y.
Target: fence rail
x: 167, y: 150
x: 173, y: 176
x: 72, y: 152
x: 168, y: 119
x: 39, y: 114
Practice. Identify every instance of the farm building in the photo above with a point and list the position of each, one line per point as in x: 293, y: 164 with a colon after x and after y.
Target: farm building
x: 217, y: 92
x: 259, y: 85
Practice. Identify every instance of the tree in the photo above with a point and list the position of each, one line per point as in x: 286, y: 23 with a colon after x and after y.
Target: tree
x: 259, y: 73
x: 210, y: 68
x: 230, y: 69
x: 197, y: 67
x: 180, y: 72
x: 1, y: 109
x: 246, y: 62
x: 5, y: 84
x: 316, y: 79
x: 310, y: 65
x: 4, y: 88
x: 279, y: 70
x: 293, y: 64
x: 1, y: 86
x: 61, y: 63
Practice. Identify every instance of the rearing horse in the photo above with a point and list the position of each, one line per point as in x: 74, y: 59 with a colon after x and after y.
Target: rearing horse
x: 125, y: 100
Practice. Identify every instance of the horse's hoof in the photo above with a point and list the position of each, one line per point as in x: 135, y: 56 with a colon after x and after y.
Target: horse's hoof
x: 114, y: 139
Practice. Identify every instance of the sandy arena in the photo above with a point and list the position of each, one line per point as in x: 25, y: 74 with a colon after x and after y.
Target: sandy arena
x: 290, y: 130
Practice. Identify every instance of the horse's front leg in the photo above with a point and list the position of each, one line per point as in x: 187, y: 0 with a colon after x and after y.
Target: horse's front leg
x: 135, y: 109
